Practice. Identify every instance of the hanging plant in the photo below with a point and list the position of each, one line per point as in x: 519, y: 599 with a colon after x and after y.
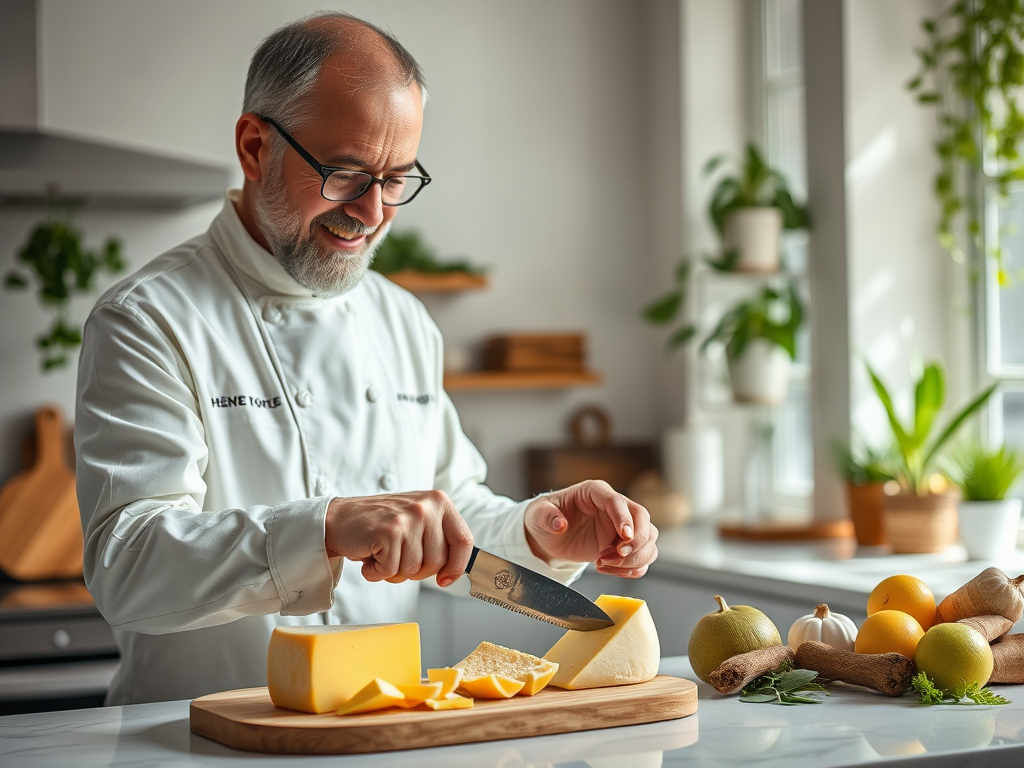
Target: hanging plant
x: 972, y: 71
x: 54, y: 257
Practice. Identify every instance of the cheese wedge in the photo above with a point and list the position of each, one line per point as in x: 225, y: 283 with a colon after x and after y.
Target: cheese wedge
x: 491, y: 659
x: 449, y: 677
x: 628, y: 652
x: 378, y: 694
x: 418, y: 693
x: 319, y: 668
x: 491, y: 687
x: 451, y: 701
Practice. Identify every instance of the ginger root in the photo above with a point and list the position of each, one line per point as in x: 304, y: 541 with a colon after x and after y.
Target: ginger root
x: 990, y: 592
x: 888, y: 673
x: 1008, y: 659
x: 735, y: 672
x: 991, y: 627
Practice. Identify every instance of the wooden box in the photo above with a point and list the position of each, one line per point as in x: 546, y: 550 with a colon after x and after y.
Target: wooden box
x: 536, y: 352
x: 618, y: 464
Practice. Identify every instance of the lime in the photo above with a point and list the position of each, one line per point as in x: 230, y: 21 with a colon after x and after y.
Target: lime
x: 954, y: 656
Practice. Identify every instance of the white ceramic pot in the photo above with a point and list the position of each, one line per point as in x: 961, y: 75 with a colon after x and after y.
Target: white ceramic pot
x: 695, y: 468
x: 755, y: 233
x: 760, y: 374
x: 989, y: 529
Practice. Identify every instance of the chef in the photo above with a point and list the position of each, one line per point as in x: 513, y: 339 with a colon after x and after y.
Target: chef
x: 262, y: 433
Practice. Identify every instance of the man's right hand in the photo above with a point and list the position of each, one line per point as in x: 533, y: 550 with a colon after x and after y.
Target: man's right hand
x: 400, y: 536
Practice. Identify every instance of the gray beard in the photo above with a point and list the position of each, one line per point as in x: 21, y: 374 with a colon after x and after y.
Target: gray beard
x: 321, y: 271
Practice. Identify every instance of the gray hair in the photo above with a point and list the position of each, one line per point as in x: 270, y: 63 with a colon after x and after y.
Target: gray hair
x: 285, y: 66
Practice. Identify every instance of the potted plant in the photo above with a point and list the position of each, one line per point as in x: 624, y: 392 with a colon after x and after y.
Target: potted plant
x: 749, y: 208
x: 922, y: 517
x: 971, y: 72
x: 865, y: 471
x: 54, y: 256
x: 989, y: 521
x: 759, y: 335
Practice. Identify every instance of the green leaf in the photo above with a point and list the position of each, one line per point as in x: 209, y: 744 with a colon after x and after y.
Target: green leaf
x: 929, y: 395
x: 957, y: 422
x: 726, y: 262
x: 680, y: 337
x: 759, y: 698
x: 664, y: 309
x: 15, y: 281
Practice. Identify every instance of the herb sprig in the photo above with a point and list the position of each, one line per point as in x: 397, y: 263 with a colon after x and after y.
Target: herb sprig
x: 930, y: 695
x: 782, y: 687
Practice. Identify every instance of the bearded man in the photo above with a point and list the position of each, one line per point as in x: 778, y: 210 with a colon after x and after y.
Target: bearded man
x: 255, y: 407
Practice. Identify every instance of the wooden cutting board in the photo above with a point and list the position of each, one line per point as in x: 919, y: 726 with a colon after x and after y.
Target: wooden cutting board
x: 247, y: 719
x: 40, y: 529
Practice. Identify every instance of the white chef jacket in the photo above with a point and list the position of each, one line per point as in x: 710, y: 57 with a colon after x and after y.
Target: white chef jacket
x: 220, y: 408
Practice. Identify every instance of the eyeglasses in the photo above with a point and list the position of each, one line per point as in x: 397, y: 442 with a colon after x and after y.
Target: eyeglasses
x: 340, y: 185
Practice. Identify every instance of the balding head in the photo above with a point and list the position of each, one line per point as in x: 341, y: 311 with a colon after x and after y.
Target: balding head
x: 284, y: 68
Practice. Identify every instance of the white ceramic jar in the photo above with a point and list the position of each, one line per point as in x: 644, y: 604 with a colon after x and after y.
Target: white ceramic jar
x: 988, y: 529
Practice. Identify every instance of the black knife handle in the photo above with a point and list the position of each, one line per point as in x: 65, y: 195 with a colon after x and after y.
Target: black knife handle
x: 472, y: 559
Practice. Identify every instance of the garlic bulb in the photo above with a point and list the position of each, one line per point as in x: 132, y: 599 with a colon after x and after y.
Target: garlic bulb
x: 823, y: 626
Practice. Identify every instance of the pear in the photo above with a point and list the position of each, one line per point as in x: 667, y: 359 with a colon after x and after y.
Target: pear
x: 727, y: 632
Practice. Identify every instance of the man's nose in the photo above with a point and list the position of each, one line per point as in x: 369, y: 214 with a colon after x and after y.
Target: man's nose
x: 368, y: 207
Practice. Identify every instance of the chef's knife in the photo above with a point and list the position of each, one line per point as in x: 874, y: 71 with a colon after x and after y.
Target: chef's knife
x: 519, y: 589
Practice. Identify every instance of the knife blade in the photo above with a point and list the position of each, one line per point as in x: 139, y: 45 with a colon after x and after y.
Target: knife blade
x: 519, y: 589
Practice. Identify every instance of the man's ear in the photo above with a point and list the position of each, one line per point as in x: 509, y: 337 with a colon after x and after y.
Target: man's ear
x: 250, y: 139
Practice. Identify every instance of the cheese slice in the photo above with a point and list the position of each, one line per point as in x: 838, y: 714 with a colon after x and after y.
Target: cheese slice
x: 451, y: 701
x: 319, y: 668
x: 490, y: 659
x: 491, y: 687
x: 418, y: 693
x: 378, y: 694
x: 628, y: 652
x: 449, y: 677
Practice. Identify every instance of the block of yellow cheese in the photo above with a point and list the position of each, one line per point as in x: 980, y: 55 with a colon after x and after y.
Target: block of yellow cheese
x: 319, y: 668
x: 628, y: 652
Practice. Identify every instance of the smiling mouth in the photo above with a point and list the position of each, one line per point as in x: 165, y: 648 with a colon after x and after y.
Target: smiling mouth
x: 342, y: 234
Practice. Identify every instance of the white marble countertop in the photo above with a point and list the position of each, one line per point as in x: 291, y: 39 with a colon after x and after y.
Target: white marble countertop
x: 852, y: 727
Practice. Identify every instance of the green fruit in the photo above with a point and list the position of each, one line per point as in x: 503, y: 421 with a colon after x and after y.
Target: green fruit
x: 726, y: 633
x: 954, y: 656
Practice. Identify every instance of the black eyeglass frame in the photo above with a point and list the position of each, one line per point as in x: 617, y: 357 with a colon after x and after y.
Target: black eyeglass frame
x: 325, y: 171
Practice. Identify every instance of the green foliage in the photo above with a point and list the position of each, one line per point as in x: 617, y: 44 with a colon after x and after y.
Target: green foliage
x: 782, y: 687
x: 972, y: 72
x: 985, y: 475
x: 930, y: 695
x: 664, y: 310
x: 407, y: 250
x: 55, y: 258
x: 755, y: 184
x: 861, y: 464
x: 774, y: 314
x: 916, y: 455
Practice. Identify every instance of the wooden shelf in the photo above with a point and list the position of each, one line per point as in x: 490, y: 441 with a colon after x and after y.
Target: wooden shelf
x: 491, y: 380
x: 438, y: 282
x: 836, y: 529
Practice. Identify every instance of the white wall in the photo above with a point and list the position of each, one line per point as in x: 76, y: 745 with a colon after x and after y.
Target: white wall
x: 536, y: 134
x: 901, y: 305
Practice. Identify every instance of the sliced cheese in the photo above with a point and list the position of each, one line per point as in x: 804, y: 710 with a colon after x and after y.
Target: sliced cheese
x: 628, y: 652
x: 418, y: 693
x: 491, y: 659
x: 449, y: 677
x: 378, y: 694
x: 451, y: 701
x: 491, y: 687
x: 319, y: 668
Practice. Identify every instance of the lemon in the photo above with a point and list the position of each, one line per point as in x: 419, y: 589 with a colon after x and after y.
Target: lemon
x: 727, y: 632
x: 954, y: 656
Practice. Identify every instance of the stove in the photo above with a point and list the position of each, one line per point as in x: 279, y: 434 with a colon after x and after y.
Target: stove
x: 56, y: 650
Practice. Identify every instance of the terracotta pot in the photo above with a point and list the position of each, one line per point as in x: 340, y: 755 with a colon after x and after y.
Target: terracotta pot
x: 915, y: 524
x: 865, y: 502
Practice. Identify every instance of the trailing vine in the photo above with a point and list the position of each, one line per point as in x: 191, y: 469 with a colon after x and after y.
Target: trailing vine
x: 972, y: 71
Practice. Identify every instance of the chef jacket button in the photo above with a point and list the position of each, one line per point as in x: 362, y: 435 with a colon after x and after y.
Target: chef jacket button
x: 304, y: 399
x: 321, y: 486
x: 272, y: 314
x: 372, y: 394
x: 387, y: 481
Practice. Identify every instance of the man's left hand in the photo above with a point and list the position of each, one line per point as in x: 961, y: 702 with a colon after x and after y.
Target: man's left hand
x: 591, y: 522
